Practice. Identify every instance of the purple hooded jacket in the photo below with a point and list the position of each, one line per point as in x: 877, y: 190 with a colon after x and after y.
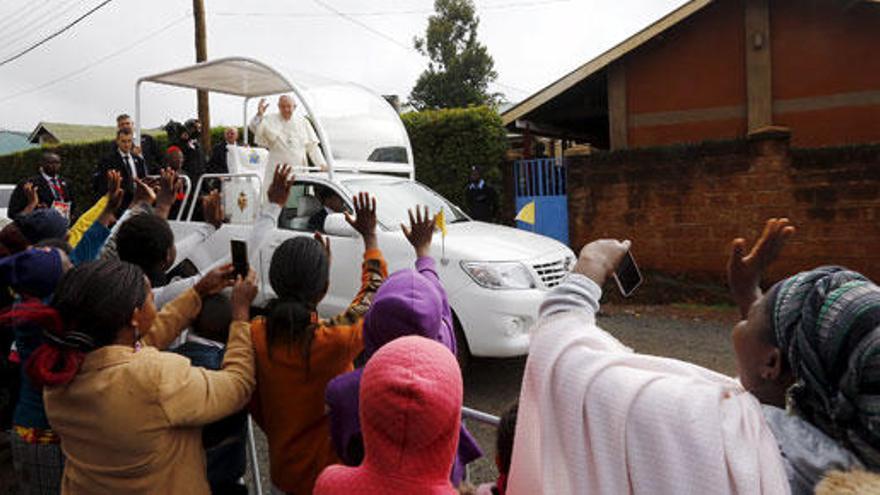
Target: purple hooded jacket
x: 410, y: 302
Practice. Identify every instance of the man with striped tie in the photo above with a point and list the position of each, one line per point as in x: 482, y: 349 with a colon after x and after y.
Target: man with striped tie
x: 123, y: 159
x: 49, y: 189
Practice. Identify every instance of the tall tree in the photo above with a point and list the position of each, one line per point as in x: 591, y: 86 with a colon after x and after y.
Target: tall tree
x: 460, y: 67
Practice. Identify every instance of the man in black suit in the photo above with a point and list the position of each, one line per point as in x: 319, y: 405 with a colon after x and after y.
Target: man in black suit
x: 217, y: 164
x: 148, y: 150
x: 129, y: 165
x: 52, y: 190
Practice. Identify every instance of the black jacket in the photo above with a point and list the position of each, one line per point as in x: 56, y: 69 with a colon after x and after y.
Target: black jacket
x: 193, y: 161
x: 45, y: 192
x: 217, y: 164
x: 482, y: 201
x: 113, y: 161
x: 151, y: 154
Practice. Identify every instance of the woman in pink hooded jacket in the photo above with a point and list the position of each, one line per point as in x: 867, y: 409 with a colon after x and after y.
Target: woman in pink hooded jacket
x: 410, y: 408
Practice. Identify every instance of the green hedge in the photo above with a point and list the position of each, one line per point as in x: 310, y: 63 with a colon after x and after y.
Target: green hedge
x: 78, y: 160
x: 447, y: 143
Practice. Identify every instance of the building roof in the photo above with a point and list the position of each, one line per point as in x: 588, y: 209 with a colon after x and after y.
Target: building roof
x: 597, y: 64
x: 72, y: 133
x: 14, y: 141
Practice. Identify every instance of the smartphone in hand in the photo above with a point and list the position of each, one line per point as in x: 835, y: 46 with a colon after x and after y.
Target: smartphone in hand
x: 627, y: 275
x: 239, y: 258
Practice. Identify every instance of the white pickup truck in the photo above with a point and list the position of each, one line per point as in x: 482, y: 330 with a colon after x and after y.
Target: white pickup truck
x: 495, y: 276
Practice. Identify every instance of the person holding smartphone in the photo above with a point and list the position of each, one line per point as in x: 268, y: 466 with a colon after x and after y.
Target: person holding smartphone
x: 596, y: 417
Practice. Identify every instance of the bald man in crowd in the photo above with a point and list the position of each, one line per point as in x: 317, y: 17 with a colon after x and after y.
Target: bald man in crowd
x: 289, y: 138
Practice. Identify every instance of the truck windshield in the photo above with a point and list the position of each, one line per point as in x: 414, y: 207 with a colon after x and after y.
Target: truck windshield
x: 396, y: 197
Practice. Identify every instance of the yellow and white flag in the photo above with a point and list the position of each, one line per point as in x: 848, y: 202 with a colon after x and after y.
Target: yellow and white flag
x: 440, y: 220
x: 527, y: 214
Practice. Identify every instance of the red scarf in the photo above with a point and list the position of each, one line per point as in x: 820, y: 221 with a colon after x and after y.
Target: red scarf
x: 53, y: 363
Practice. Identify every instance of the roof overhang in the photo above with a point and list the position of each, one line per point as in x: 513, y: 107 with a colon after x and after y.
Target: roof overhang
x: 34, y: 136
x: 239, y: 76
x: 531, y: 103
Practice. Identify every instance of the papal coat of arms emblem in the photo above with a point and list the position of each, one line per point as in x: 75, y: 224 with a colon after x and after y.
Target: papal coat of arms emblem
x: 242, y: 201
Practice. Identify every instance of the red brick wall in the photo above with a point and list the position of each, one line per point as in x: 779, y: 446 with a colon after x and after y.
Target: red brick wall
x: 681, y: 206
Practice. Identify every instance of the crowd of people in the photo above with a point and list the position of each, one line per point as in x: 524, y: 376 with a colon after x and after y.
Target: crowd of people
x: 136, y: 375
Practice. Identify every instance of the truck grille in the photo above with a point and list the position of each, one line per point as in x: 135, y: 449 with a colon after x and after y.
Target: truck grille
x: 551, y: 274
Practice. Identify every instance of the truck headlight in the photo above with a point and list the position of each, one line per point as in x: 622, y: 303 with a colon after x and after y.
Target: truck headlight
x: 499, y: 275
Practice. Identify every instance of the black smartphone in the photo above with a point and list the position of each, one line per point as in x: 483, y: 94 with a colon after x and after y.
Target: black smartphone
x: 627, y: 275
x: 239, y: 258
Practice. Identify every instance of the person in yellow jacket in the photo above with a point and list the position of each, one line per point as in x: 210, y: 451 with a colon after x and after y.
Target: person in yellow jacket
x: 128, y: 415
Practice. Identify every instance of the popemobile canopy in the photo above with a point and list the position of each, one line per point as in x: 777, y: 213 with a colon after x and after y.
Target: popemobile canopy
x: 358, y: 129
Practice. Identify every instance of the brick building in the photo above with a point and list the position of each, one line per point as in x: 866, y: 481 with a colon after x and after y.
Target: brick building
x: 718, y: 69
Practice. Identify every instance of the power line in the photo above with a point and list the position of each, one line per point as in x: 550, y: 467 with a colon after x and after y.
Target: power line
x: 381, y: 13
x: 97, y: 62
x: 362, y: 24
x: 54, y: 35
x: 18, y: 37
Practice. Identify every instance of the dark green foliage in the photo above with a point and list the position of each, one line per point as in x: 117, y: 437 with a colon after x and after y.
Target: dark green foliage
x: 79, y: 161
x: 460, y: 67
x: 447, y: 143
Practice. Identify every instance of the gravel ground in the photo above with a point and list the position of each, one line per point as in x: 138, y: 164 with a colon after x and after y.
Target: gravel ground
x: 696, y: 334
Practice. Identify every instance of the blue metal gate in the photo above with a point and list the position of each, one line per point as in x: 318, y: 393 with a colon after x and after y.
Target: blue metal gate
x: 543, y: 181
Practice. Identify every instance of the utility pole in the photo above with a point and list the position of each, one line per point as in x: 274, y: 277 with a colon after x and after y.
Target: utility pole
x: 201, y: 56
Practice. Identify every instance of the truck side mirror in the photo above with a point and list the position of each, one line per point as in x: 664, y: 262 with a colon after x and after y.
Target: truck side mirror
x: 336, y: 225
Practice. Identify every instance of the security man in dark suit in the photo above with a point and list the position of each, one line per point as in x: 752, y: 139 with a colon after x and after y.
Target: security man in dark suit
x: 122, y: 159
x: 52, y: 190
x: 148, y: 150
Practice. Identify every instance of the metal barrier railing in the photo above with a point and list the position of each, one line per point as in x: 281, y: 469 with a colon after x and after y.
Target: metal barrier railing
x: 187, y: 183
x: 480, y: 416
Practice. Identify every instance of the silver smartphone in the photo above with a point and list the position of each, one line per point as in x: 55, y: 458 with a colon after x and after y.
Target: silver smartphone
x: 628, y: 276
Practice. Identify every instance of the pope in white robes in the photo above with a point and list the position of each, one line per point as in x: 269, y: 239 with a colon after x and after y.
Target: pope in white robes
x: 289, y: 138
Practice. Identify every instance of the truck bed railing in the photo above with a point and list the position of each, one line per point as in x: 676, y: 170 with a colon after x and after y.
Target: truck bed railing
x: 187, y: 188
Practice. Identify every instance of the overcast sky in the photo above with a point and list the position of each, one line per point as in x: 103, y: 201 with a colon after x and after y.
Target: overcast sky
x: 87, y: 74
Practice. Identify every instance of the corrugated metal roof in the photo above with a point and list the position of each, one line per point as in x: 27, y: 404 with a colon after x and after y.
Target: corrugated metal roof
x: 14, y: 141
x: 73, y: 133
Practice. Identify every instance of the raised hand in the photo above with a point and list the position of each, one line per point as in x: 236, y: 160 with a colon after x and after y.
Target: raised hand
x: 744, y: 271
x: 215, y: 281
x: 143, y: 193
x: 114, y: 189
x: 169, y: 188
x: 598, y: 259
x: 243, y: 293
x: 212, y: 207
x: 364, y: 220
x: 33, y: 199
x: 115, y: 194
x: 279, y: 190
x: 262, y: 106
x: 421, y: 231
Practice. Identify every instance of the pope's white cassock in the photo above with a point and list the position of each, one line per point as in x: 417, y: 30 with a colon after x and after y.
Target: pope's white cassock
x: 288, y: 142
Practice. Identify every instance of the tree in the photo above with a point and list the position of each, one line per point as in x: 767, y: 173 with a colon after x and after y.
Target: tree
x: 460, y: 67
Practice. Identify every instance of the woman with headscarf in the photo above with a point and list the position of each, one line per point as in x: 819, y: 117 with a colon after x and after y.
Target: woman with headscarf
x: 128, y: 416
x: 36, y: 452
x: 810, y: 350
x: 597, y: 418
x: 410, y: 302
